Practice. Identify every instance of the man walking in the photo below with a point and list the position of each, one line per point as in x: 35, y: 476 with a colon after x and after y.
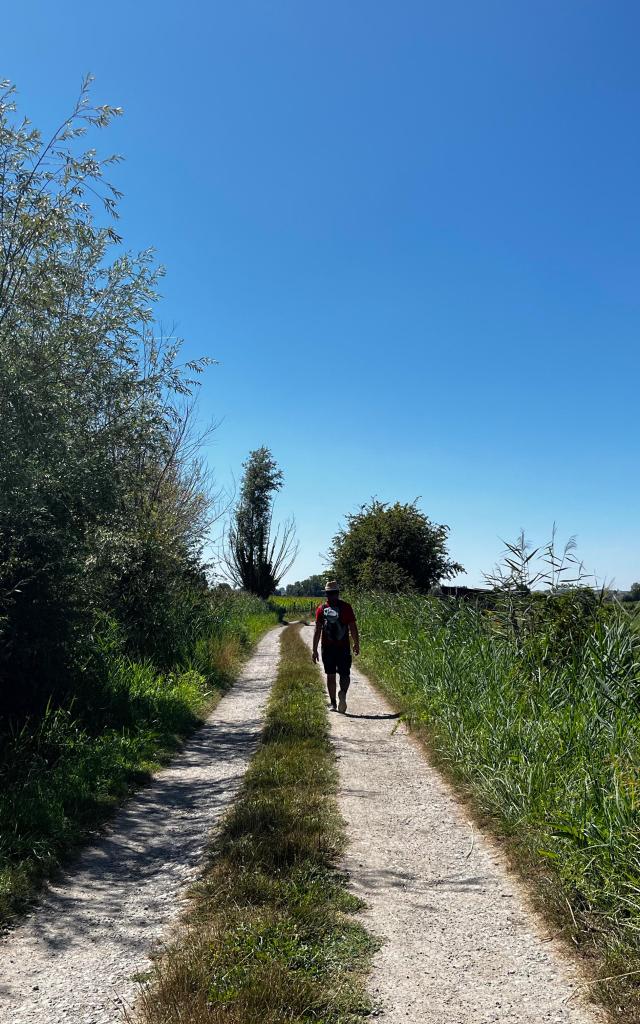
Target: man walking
x: 335, y: 622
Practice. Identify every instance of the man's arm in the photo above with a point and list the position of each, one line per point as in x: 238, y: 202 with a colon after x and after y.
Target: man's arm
x: 316, y: 639
x: 355, y: 636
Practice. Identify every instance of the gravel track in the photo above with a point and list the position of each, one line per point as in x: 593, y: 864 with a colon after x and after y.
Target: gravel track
x: 461, y: 944
x: 72, y: 960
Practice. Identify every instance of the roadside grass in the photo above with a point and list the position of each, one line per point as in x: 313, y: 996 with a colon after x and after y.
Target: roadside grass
x: 270, y: 936
x: 542, y: 738
x: 63, y: 774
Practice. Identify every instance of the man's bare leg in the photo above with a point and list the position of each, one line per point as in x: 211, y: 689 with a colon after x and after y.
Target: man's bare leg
x: 331, y: 687
x: 345, y: 679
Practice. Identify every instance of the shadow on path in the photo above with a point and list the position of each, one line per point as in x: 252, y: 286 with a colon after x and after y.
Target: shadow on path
x: 376, y: 718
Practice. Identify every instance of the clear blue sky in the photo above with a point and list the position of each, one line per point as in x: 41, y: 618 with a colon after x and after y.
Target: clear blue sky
x: 409, y: 231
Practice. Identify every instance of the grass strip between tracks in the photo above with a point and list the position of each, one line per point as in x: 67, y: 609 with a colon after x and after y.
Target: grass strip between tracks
x: 270, y: 935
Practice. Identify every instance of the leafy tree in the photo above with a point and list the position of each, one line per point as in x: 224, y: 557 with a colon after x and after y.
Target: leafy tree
x: 634, y: 592
x: 104, y: 504
x: 391, y: 547
x: 255, y: 557
x: 313, y: 586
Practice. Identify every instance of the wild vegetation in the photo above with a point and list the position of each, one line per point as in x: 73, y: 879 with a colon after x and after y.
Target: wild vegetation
x: 112, y: 641
x: 270, y: 936
x: 533, y: 706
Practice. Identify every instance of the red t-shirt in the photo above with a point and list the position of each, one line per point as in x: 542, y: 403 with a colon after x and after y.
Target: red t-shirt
x: 346, y: 616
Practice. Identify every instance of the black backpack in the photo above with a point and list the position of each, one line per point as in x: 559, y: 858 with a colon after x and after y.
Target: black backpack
x: 333, y: 629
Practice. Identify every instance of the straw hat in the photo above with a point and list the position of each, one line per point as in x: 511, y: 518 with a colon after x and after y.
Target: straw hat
x: 331, y: 587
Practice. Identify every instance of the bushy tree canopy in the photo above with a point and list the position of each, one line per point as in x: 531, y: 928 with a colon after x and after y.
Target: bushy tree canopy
x: 391, y: 547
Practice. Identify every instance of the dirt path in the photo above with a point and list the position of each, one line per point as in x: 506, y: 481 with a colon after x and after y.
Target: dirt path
x: 72, y: 960
x: 462, y: 946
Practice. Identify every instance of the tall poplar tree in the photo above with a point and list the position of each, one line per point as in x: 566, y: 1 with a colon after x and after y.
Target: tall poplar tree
x: 255, y: 557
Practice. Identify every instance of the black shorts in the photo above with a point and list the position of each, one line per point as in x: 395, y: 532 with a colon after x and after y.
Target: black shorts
x: 336, y: 660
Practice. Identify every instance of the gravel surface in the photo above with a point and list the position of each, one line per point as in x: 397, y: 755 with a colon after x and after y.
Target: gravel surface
x: 73, y: 961
x: 462, y: 946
